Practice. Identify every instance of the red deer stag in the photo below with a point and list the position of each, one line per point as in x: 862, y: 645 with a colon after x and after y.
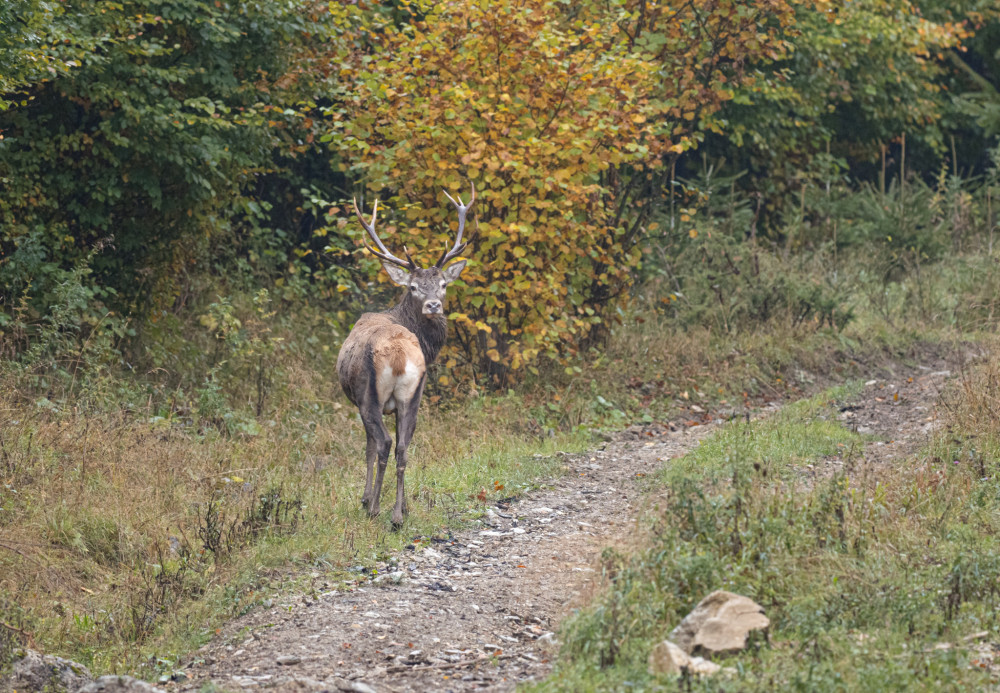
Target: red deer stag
x: 383, y: 363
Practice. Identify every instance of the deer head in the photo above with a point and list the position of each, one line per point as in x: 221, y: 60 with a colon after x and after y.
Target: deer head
x: 425, y: 287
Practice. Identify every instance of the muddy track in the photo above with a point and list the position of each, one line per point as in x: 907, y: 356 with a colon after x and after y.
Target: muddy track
x: 477, y: 611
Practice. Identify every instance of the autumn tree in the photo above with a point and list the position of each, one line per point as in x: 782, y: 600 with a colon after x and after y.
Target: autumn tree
x: 565, y: 117
x: 859, y: 75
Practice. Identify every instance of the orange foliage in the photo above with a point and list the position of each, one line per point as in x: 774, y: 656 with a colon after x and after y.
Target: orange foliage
x: 565, y: 116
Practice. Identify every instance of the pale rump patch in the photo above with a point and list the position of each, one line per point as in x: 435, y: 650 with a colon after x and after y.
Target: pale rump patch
x: 385, y: 386
x: 394, y: 389
x: 399, y: 366
x: 407, y: 383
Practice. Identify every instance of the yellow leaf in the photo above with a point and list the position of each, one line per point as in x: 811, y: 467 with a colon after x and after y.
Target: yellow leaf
x: 693, y: 233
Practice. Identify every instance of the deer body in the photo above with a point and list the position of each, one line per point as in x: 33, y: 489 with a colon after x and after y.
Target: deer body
x: 385, y: 352
x: 382, y: 365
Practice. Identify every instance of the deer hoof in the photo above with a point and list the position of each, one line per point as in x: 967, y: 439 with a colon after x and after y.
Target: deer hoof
x: 397, y: 519
x: 365, y: 501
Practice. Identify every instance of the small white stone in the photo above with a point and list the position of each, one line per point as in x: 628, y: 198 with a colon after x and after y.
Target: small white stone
x: 548, y: 640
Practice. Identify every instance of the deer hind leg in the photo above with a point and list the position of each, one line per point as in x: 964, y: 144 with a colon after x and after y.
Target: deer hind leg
x: 406, y: 424
x: 371, y: 449
x: 377, y: 450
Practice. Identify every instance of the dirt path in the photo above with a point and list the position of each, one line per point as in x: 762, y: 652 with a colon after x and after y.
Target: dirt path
x: 477, y: 611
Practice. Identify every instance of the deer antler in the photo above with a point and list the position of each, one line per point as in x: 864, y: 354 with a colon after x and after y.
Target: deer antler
x: 385, y: 255
x: 457, y: 249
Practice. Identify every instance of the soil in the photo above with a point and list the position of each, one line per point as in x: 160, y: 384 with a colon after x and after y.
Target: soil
x: 478, y: 610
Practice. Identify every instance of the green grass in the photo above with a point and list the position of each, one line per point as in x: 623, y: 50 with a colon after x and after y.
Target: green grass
x: 862, y: 570
x: 797, y: 434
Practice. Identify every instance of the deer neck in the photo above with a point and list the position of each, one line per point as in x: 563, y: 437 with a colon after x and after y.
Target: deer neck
x: 431, y: 330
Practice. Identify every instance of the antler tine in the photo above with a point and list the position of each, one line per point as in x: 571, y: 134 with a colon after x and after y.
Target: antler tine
x: 406, y: 252
x: 370, y: 228
x: 463, y: 209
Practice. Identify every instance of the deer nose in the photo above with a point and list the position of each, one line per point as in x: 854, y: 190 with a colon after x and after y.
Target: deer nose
x: 432, y: 307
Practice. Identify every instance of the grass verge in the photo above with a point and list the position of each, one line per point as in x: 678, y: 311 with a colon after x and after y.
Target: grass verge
x: 864, y: 572
x: 127, y: 539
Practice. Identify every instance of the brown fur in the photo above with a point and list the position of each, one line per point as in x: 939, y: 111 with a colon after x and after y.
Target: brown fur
x: 391, y: 344
x: 397, y: 355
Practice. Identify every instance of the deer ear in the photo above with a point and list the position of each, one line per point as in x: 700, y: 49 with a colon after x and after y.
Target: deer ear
x: 452, y: 271
x: 398, y: 275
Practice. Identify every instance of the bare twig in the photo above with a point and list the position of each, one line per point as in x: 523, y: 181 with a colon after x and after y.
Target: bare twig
x: 29, y: 638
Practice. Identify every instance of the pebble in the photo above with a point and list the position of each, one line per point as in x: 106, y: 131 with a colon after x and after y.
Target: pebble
x: 548, y: 639
x: 288, y: 660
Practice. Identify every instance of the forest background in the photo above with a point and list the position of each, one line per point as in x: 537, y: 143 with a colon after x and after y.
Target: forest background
x: 690, y: 202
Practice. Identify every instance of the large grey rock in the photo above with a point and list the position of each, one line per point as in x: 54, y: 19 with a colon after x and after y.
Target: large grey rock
x: 720, y: 623
x: 668, y: 658
x: 119, y: 684
x: 37, y: 672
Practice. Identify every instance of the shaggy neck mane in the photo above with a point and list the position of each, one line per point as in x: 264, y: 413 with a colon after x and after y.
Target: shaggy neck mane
x: 431, y: 330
